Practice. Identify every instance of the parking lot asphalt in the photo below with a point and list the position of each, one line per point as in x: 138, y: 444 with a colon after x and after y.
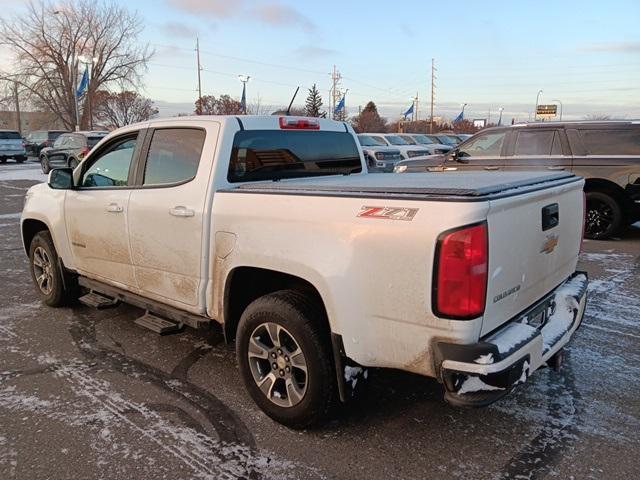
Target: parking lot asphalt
x: 89, y: 394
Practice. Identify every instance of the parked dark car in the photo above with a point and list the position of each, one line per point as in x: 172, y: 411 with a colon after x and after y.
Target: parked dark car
x: 606, y: 154
x: 69, y: 149
x: 39, y: 139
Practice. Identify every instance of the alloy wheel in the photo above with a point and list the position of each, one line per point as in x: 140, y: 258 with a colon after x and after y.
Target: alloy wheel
x: 43, y: 270
x: 278, y: 364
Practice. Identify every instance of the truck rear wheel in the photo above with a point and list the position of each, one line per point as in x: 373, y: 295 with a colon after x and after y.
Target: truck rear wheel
x: 44, y: 164
x: 46, y: 272
x: 604, y: 216
x: 285, y: 358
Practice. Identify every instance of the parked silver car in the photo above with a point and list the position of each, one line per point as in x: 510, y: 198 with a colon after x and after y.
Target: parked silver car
x: 12, y: 146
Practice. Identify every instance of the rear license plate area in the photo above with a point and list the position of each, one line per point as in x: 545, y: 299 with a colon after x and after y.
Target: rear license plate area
x: 539, y: 315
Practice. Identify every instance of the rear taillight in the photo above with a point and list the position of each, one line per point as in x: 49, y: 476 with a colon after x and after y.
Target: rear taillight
x: 287, y: 123
x: 460, y: 272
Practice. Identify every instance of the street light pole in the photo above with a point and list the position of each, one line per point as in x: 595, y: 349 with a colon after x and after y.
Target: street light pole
x: 535, y: 113
x: 560, y: 103
x: 244, y: 79
x: 500, y: 117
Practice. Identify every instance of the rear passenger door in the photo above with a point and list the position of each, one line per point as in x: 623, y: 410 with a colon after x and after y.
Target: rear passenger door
x: 166, y: 213
x: 484, y: 152
x: 538, y: 149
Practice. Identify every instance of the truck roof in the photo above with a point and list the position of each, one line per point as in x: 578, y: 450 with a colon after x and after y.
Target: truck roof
x: 442, y: 186
x: 250, y: 122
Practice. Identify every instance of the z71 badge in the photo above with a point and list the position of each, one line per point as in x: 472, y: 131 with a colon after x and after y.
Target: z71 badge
x: 388, y: 213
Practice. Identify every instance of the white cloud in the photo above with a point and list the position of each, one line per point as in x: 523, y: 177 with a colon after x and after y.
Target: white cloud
x: 280, y: 15
x: 213, y: 8
x: 177, y: 29
x: 614, y: 47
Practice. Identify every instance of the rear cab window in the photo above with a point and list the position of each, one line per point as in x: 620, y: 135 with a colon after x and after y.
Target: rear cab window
x: 174, y: 156
x: 275, y: 154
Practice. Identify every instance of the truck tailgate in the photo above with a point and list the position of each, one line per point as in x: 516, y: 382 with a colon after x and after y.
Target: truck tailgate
x: 534, y: 242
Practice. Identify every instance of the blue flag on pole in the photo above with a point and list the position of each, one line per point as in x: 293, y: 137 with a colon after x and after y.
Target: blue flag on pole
x: 409, y: 111
x: 84, y: 83
x: 339, y: 107
x: 459, y: 118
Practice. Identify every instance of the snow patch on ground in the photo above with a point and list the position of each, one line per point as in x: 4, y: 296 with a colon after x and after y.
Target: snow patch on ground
x: 29, y: 171
x: 351, y: 374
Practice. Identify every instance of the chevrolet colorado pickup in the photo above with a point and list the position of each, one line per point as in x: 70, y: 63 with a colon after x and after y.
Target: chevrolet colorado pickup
x: 271, y: 227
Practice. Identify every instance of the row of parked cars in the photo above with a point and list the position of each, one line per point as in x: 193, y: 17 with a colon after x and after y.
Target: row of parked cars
x: 384, y: 150
x: 606, y: 154
x: 54, y: 148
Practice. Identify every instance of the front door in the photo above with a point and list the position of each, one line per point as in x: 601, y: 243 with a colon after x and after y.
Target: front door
x: 166, y: 215
x: 483, y: 152
x: 96, y: 213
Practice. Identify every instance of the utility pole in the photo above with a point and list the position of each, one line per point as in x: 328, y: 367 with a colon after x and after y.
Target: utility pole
x: 335, y: 91
x: 17, y: 100
x: 199, y: 111
x: 415, y: 108
x: 433, y: 93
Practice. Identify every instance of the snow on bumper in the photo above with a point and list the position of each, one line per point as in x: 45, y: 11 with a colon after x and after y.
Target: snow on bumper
x: 481, y: 373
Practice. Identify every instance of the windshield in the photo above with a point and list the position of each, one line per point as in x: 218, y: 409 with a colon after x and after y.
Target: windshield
x: 10, y: 136
x: 423, y: 139
x: 447, y: 140
x: 368, y: 141
x: 274, y: 154
x: 409, y: 140
x: 396, y: 140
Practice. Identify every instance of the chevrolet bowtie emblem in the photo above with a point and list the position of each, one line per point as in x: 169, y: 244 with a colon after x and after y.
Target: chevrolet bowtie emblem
x: 550, y: 244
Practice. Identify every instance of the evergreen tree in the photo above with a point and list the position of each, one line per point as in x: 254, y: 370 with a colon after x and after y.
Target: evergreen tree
x: 314, y: 103
x: 369, y: 120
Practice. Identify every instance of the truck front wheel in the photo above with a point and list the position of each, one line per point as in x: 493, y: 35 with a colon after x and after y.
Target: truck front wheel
x: 46, y: 271
x: 285, y: 358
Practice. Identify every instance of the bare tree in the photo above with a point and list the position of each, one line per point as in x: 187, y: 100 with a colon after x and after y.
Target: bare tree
x: 50, y: 43
x: 124, y: 108
x: 225, y: 105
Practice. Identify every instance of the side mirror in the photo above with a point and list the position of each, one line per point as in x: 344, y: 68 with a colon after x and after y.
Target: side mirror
x: 61, y: 178
x: 457, y: 156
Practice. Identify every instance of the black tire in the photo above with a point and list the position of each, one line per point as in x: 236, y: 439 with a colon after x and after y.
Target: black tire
x: 55, y: 294
x: 44, y: 164
x: 603, y: 217
x: 73, y: 163
x: 3, y: 160
x: 304, y: 320
x: 21, y: 159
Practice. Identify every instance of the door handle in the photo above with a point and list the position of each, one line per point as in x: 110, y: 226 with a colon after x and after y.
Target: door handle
x: 555, y: 167
x: 114, y: 208
x: 492, y: 168
x: 181, y: 211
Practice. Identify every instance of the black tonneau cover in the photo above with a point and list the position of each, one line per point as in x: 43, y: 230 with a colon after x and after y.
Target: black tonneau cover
x: 452, y: 186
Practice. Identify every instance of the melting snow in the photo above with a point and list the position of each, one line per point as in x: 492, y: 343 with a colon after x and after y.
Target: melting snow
x: 475, y: 384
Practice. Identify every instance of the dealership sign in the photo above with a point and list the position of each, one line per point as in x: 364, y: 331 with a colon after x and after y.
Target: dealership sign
x: 546, y: 111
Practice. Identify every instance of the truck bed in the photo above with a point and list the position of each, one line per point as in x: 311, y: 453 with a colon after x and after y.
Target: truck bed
x: 442, y: 186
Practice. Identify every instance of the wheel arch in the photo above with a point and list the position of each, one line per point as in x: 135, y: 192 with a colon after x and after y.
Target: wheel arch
x: 245, y: 284
x: 30, y: 228
x: 611, y: 188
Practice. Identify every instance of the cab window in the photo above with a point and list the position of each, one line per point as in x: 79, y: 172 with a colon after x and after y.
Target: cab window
x: 111, y: 167
x: 484, y: 145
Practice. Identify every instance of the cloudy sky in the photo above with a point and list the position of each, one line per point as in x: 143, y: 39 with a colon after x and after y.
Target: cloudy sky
x: 488, y: 54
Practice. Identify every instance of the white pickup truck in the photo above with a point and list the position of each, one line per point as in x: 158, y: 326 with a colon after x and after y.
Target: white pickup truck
x: 271, y: 227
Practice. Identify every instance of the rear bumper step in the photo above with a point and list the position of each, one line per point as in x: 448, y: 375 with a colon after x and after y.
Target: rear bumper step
x: 481, y: 373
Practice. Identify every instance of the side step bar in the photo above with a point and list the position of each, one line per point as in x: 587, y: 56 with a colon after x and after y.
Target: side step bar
x: 166, y: 312
x: 95, y: 300
x: 159, y: 325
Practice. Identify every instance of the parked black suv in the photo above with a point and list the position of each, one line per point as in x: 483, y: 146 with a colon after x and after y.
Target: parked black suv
x: 69, y: 149
x: 606, y: 154
x: 39, y: 139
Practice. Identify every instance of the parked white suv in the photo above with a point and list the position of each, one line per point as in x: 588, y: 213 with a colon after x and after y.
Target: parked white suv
x: 407, y: 150
x: 425, y: 142
x: 379, y: 156
x: 271, y: 227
